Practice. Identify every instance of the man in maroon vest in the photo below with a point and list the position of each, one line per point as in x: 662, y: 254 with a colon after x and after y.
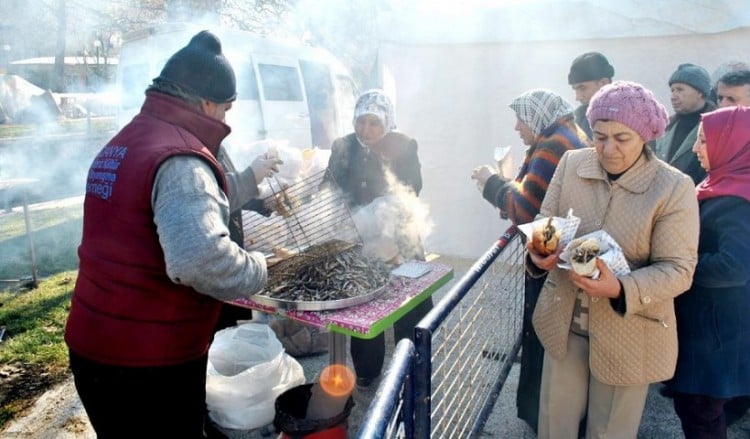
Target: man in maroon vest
x: 156, y: 257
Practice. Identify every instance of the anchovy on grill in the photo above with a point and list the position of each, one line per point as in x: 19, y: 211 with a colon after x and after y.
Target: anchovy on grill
x: 332, y: 270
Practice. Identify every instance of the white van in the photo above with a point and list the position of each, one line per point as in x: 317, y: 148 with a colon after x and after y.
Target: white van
x: 296, y: 93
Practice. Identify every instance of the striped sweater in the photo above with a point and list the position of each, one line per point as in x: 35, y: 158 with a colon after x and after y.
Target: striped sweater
x: 521, y: 198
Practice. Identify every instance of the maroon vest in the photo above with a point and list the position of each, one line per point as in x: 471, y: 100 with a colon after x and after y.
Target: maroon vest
x: 125, y: 310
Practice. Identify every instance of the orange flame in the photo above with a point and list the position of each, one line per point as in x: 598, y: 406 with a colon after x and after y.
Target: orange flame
x: 337, y: 380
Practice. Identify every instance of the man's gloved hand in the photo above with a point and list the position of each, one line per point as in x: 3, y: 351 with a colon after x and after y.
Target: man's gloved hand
x: 264, y: 166
x: 481, y: 174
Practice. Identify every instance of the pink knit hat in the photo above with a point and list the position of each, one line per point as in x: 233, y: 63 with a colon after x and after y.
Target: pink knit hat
x: 632, y: 105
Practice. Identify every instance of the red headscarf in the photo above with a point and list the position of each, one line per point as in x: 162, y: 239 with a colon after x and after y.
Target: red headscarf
x: 727, y: 133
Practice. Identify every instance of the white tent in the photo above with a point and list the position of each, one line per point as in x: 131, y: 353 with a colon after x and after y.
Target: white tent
x: 453, y: 68
x: 16, y: 94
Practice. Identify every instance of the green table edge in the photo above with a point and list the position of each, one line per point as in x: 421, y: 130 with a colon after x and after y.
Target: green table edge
x: 383, y: 324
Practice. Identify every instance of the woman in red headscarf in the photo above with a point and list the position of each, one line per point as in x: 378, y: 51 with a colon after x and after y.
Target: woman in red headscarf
x: 713, y: 327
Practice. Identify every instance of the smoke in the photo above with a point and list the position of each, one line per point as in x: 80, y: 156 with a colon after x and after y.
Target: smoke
x: 395, y: 225
x: 58, y: 162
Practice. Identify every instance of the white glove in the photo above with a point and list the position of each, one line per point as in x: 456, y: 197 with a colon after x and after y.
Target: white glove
x: 264, y: 166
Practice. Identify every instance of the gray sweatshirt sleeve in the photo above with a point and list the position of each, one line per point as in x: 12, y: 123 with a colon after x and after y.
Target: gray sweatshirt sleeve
x: 242, y: 186
x: 191, y: 215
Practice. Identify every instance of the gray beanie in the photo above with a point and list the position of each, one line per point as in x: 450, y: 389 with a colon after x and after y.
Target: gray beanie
x: 694, y: 76
x: 591, y: 66
x: 200, y: 68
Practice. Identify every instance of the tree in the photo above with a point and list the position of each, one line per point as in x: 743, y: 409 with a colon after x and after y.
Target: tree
x: 347, y: 28
x: 262, y: 17
x: 59, y: 71
x: 206, y: 11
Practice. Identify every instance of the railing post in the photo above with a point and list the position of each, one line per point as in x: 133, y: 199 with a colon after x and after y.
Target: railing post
x: 384, y: 407
x: 407, y: 411
x: 422, y: 382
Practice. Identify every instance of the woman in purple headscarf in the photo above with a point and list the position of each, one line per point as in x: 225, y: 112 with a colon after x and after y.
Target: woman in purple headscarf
x: 713, y: 328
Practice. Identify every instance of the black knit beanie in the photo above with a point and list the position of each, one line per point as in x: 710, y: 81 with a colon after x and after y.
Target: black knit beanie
x: 591, y: 66
x: 694, y: 76
x: 201, y: 69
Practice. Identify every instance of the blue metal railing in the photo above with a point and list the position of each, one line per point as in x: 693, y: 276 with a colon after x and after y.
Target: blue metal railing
x: 395, y: 388
x: 462, y: 354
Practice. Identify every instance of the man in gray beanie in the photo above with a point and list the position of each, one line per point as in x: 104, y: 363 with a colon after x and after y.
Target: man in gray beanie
x: 691, y: 86
x: 156, y: 257
x: 588, y: 73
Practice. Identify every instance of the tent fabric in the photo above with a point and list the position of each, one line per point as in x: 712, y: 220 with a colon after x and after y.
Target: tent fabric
x: 16, y: 94
x: 475, y: 21
x: 452, y: 92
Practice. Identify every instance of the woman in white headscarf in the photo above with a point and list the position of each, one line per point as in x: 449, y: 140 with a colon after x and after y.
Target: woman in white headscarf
x: 368, y: 164
x: 544, y: 121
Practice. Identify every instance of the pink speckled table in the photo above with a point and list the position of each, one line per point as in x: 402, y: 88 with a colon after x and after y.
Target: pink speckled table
x: 371, y: 318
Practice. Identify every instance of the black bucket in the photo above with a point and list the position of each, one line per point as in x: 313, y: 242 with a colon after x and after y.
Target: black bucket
x: 291, y: 410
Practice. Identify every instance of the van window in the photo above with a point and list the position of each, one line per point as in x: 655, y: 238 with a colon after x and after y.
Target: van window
x: 346, y: 99
x: 316, y: 76
x: 320, y: 102
x: 280, y: 83
x: 348, y: 93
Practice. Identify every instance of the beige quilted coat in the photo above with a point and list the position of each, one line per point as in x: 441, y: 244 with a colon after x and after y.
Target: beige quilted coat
x: 652, y: 212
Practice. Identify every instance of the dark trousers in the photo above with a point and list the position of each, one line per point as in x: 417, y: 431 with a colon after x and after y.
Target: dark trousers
x: 702, y: 417
x: 142, y: 402
x: 368, y: 355
x: 736, y: 408
x: 532, y: 356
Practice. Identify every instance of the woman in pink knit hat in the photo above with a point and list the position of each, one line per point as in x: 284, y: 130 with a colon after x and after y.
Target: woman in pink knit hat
x: 607, y: 338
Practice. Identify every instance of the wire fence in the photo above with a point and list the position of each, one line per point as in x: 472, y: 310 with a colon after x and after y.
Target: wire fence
x: 463, y: 352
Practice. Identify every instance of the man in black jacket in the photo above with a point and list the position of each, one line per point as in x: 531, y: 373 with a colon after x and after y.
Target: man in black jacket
x: 588, y: 73
x: 690, y: 86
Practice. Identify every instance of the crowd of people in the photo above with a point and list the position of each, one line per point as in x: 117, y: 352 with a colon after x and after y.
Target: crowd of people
x: 162, y: 253
x: 671, y: 192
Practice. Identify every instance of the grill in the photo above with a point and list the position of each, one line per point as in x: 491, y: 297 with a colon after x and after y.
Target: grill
x: 313, y: 249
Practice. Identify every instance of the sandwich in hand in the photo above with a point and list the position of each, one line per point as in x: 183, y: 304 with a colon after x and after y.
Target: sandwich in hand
x: 545, y: 238
x: 583, y: 254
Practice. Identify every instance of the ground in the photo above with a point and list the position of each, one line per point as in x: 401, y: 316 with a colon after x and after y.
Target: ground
x: 22, y: 386
x: 58, y: 413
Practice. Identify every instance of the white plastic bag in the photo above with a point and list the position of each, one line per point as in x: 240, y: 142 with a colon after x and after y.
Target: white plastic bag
x: 247, y: 370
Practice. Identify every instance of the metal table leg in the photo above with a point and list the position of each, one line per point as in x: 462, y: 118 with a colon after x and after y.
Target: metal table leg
x: 336, y: 348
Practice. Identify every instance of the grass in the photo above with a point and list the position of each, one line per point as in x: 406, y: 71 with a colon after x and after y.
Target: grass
x: 33, y: 354
x: 56, y: 233
x: 62, y: 126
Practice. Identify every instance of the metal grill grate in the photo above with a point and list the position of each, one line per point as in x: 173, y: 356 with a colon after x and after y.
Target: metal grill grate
x: 309, y: 212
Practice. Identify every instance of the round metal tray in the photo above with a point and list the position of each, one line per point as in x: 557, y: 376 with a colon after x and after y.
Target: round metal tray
x: 321, y: 305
